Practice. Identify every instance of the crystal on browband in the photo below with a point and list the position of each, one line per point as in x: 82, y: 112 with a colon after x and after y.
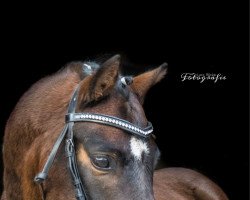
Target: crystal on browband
x: 112, y: 121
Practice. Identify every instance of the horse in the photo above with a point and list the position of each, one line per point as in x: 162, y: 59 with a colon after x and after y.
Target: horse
x: 82, y: 133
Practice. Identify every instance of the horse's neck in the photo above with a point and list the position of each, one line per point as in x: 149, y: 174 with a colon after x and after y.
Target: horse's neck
x: 44, y: 105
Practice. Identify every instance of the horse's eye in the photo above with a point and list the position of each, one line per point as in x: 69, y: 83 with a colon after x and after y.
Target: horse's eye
x: 101, y: 162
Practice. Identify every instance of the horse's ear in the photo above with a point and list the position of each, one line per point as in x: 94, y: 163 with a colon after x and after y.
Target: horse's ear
x: 143, y: 82
x: 101, y: 83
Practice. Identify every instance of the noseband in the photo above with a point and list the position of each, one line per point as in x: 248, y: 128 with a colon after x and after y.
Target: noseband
x: 67, y: 134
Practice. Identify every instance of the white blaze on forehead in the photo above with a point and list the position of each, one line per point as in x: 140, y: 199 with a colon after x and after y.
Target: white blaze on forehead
x: 138, y: 147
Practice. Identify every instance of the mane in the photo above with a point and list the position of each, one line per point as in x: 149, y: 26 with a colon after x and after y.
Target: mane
x: 89, y: 67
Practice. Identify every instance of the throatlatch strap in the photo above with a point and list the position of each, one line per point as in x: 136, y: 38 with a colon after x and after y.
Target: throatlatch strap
x: 40, y: 177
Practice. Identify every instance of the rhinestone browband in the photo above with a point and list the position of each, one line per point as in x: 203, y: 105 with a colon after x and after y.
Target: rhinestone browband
x: 112, y: 121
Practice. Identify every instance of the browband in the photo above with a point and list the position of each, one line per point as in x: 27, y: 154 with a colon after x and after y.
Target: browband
x: 111, y: 121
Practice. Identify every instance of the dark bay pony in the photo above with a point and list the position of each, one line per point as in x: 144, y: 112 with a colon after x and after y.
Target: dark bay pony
x: 113, y: 164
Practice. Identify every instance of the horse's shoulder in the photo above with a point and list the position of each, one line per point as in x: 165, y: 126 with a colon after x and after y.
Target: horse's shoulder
x: 183, y: 183
x: 179, y: 172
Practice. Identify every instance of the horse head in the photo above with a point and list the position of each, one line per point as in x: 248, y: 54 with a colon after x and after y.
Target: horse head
x: 109, y: 146
x: 112, y: 163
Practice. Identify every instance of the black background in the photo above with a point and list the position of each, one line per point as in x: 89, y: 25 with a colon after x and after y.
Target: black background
x: 202, y: 126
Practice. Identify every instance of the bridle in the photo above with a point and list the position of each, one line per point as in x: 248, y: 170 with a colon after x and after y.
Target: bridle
x: 67, y: 134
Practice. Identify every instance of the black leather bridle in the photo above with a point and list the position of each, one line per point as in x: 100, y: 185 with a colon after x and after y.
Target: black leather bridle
x: 67, y: 134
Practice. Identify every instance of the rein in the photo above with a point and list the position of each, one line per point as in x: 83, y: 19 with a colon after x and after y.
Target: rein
x: 67, y: 134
